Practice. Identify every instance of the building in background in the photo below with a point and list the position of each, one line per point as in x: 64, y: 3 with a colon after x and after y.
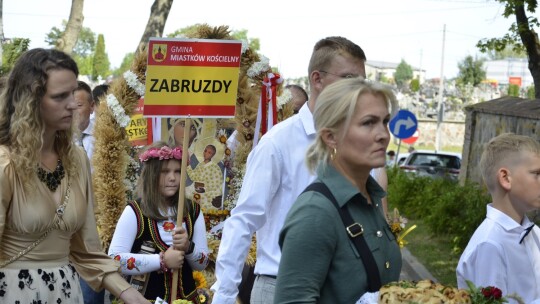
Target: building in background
x: 377, y: 70
x: 509, y: 71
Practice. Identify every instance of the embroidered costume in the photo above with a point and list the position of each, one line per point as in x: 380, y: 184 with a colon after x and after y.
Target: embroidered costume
x: 126, y: 245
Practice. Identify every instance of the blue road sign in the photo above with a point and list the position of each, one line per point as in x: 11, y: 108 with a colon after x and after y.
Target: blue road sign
x: 404, y: 124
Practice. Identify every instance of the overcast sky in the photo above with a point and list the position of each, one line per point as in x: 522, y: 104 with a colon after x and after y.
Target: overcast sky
x: 387, y: 30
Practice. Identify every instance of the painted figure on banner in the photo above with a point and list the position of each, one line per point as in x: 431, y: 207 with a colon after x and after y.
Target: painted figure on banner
x: 207, y: 178
x: 205, y: 173
x: 175, y: 133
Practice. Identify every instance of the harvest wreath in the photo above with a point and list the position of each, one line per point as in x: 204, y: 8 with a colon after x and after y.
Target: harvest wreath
x: 115, y: 169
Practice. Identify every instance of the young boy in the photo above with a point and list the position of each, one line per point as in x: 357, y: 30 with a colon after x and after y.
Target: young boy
x: 505, y: 249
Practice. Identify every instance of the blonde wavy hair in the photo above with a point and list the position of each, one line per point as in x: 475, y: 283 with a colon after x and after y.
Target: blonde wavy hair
x: 335, y: 108
x: 21, y: 124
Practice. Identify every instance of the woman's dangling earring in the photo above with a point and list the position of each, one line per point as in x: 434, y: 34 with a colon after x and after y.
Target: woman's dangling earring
x: 333, y: 154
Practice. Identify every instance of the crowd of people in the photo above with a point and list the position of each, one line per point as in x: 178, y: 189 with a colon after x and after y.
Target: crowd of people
x: 313, y: 193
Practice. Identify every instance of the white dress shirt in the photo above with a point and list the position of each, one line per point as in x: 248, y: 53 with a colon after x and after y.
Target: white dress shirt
x: 88, y: 141
x: 494, y: 257
x: 276, y: 173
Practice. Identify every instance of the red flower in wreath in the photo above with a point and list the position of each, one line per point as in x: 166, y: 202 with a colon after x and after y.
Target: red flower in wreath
x: 131, y: 263
x: 168, y: 226
x: 117, y: 257
x: 491, y: 292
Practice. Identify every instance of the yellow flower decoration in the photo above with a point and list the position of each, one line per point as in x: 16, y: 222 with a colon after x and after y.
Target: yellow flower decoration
x: 223, y: 139
x: 397, y: 225
x: 396, y: 228
x: 200, y: 280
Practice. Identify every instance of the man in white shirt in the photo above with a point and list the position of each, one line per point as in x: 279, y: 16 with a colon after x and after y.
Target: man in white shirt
x: 85, y: 103
x: 275, y: 175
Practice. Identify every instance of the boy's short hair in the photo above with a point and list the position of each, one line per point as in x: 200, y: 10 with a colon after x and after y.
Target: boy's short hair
x: 501, y: 151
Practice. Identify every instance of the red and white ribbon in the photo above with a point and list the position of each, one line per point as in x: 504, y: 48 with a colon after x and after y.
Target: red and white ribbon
x: 267, y: 113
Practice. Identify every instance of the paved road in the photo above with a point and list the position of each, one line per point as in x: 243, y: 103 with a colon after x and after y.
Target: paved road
x: 412, y: 270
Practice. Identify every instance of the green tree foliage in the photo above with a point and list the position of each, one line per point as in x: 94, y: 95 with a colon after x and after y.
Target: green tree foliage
x: 415, y: 85
x: 83, y: 52
x: 403, y: 73
x: 384, y: 79
x: 513, y: 90
x: 521, y: 35
x: 530, y: 92
x: 11, y: 52
x: 190, y: 31
x: 125, y: 65
x: 84, y: 64
x: 434, y: 201
x: 254, y: 43
x: 507, y: 52
x: 101, y: 63
x: 471, y: 71
x: 85, y: 44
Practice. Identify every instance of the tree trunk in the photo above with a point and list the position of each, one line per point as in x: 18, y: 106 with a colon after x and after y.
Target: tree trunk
x: 156, y: 22
x: 530, y: 40
x: 67, y: 42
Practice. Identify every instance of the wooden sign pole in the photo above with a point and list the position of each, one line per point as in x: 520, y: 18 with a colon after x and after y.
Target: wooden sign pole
x: 181, y: 195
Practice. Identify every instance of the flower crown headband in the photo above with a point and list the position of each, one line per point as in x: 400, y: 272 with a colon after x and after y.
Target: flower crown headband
x: 162, y: 153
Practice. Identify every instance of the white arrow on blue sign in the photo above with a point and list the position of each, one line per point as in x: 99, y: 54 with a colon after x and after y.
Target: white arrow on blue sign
x: 404, y: 124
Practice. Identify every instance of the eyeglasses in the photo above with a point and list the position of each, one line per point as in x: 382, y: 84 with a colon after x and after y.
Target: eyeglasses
x: 340, y: 76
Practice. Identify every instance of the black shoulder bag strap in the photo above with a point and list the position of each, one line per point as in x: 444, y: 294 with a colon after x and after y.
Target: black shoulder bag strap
x: 355, y: 232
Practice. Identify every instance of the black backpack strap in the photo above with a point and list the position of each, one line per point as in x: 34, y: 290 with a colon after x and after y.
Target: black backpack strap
x: 355, y: 232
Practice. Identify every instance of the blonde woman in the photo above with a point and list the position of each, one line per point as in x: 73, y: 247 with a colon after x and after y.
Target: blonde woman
x: 319, y: 263
x: 47, y: 224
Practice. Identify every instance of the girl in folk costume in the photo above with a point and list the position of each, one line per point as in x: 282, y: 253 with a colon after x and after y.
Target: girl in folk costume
x: 47, y: 228
x: 149, y: 223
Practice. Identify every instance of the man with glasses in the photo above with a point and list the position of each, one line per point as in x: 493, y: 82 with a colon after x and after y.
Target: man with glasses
x: 275, y: 175
x: 347, y: 75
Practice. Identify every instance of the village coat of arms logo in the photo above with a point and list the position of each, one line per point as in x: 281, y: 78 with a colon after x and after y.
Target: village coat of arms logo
x: 159, y: 52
